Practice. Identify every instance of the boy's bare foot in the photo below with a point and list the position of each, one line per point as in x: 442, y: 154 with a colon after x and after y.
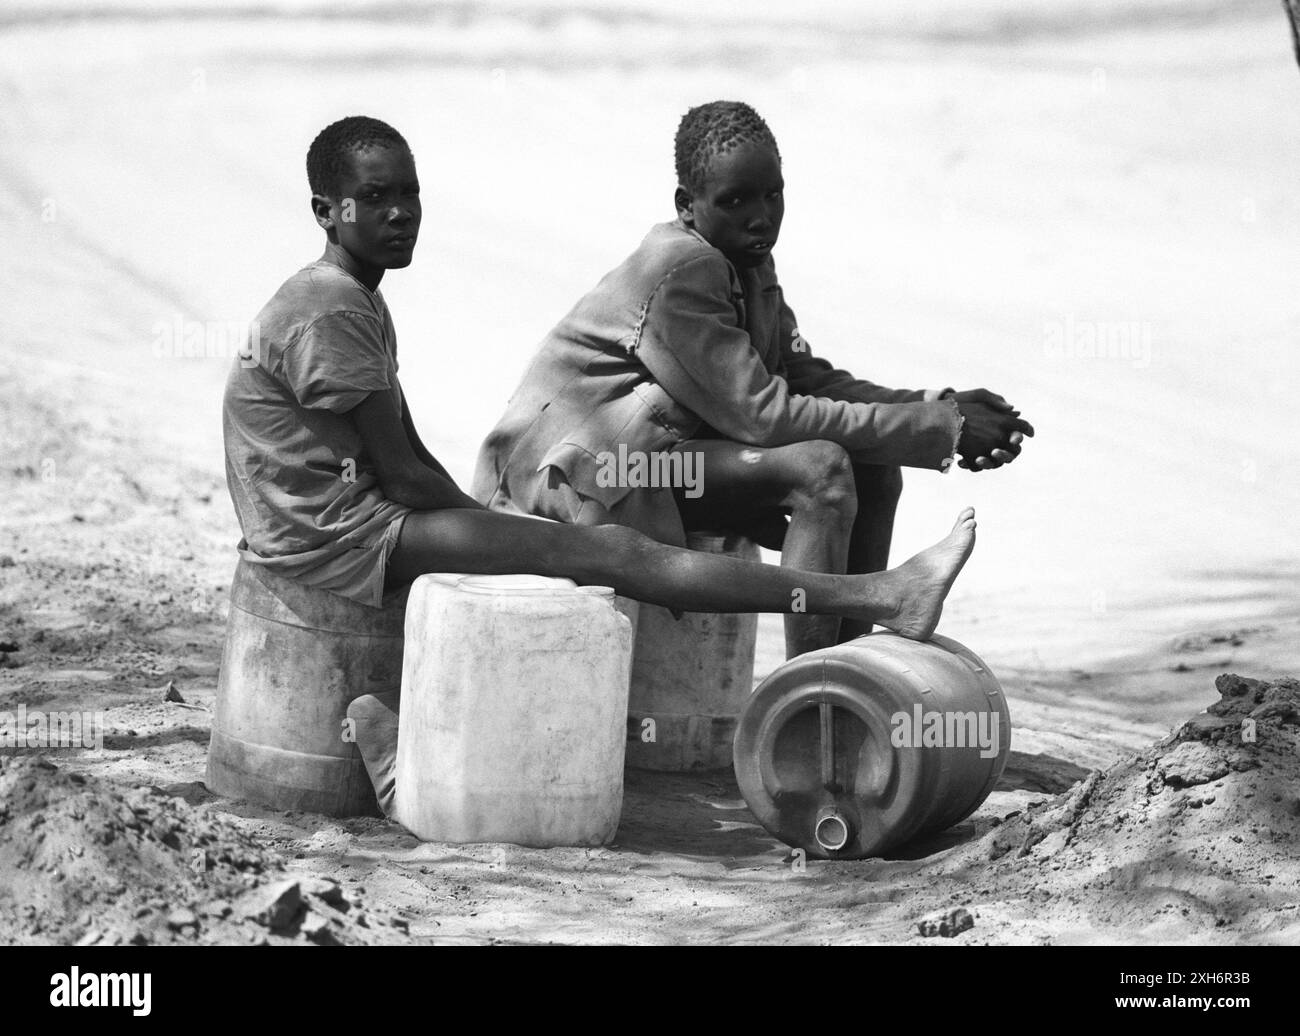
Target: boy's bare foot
x: 922, y: 583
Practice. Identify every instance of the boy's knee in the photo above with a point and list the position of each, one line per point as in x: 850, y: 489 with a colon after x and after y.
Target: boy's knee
x: 825, y: 477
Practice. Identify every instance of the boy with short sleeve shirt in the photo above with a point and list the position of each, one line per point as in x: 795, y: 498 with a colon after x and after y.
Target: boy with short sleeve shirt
x: 305, y: 490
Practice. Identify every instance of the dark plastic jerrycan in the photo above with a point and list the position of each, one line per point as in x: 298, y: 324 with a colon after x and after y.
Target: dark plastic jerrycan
x: 854, y: 750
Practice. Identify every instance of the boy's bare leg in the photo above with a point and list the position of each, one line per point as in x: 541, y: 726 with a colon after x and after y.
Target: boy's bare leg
x: 878, y: 489
x: 813, y: 479
x: 908, y: 599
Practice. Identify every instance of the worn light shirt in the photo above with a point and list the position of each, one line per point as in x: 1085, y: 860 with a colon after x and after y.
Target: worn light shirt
x: 305, y: 491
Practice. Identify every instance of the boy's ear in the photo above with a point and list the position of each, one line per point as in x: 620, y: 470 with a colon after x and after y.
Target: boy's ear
x: 321, y: 207
x: 685, y: 205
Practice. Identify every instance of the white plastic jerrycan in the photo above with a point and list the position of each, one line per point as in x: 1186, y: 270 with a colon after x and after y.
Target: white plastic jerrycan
x: 513, y: 711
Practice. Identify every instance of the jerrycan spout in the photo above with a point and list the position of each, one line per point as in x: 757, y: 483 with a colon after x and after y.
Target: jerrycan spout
x: 832, y: 830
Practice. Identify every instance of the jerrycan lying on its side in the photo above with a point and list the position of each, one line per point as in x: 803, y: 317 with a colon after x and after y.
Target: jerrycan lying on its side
x: 856, y: 749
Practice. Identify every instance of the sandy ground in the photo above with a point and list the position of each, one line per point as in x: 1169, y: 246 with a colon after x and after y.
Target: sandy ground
x: 1008, y: 177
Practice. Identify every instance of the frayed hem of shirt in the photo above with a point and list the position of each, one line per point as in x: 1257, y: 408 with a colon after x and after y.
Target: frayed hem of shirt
x: 946, y: 463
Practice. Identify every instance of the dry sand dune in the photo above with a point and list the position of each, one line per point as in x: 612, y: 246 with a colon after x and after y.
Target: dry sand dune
x: 973, y: 192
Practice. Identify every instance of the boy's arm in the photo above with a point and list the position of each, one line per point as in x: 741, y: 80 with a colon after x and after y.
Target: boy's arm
x: 816, y: 377
x: 693, y: 345
x: 413, y: 437
x: 403, y: 476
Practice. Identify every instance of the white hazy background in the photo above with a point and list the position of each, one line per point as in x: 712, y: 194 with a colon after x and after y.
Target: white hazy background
x: 966, y: 180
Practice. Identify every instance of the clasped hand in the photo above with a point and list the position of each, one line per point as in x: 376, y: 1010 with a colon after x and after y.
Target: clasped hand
x: 992, y: 430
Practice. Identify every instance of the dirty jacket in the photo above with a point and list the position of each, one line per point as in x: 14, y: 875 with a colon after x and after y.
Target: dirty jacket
x: 675, y: 343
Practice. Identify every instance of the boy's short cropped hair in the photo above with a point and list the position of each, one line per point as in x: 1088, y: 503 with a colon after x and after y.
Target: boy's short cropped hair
x: 712, y: 129
x: 329, y: 151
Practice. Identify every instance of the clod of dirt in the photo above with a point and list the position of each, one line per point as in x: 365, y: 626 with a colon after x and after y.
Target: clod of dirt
x: 182, y: 918
x: 91, y: 864
x: 274, y: 906
x: 1192, y: 763
x: 945, y: 923
x: 1195, y: 828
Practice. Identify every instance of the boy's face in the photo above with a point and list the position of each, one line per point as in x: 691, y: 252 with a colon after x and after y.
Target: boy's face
x: 739, y: 208
x: 376, y: 216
